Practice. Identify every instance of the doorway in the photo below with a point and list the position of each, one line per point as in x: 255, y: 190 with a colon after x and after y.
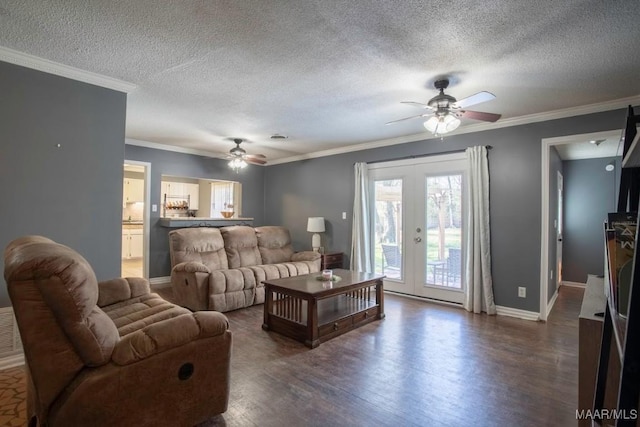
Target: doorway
x: 135, y: 219
x: 554, y: 231
x: 417, y: 222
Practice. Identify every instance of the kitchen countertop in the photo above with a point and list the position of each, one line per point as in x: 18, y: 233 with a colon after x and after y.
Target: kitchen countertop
x: 180, y: 222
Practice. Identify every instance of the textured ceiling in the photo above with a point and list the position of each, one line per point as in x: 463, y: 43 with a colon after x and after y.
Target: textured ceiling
x: 606, y: 147
x: 330, y: 73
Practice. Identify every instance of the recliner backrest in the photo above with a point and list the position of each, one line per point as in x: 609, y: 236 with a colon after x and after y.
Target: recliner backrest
x: 274, y: 244
x: 241, y: 245
x: 54, y: 293
x: 203, y: 245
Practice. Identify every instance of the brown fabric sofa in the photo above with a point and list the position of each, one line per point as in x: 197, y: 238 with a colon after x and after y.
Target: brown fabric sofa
x: 111, y: 353
x: 223, y: 269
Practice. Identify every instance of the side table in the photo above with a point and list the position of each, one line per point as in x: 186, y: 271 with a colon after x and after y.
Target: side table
x: 331, y: 260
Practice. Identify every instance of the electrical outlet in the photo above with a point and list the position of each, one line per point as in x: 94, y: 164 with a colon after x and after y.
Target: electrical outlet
x: 522, y: 292
x: 344, y: 215
x: 154, y: 208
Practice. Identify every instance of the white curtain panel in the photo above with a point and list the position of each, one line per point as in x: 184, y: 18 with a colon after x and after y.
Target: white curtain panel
x: 479, y: 284
x: 360, y: 244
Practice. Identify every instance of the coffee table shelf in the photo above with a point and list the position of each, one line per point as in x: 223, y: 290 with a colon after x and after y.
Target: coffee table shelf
x: 312, y: 312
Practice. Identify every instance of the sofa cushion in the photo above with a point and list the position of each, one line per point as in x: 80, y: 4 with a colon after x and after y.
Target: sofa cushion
x: 203, y: 245
x: 274, y: 244
x: 137, y: 313
x: 241, y: 246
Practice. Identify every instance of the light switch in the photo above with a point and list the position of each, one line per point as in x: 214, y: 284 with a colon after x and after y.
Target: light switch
x: 154, y: 208
x: 344, y: 215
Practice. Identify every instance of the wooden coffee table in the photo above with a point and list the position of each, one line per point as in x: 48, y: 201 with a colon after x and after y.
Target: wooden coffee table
x: 312, y: 311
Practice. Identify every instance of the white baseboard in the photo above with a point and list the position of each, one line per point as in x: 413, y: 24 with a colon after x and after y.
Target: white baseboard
x: 12, y: 361
x: 573, y: 284
x: 424, y: 299
x: 516, y: 312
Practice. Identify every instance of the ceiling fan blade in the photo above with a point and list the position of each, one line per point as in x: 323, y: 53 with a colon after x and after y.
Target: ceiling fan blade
x: 416, y: 104
x: 407, y: 118
x: 259, y: 156
x: 479, y: 115
x: 255, y: 161
x: 474, y: 99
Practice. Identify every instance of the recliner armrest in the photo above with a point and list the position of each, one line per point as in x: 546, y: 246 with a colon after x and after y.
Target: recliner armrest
x: 191, y: 267
x: 121, y: 289
x: 168, y: 334
x: 305, y: 256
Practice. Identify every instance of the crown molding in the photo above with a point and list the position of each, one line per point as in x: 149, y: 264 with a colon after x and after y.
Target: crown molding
x: 424, y: 136
x: 174, y: 148
x: 478, y: 127
x: 36, y: 63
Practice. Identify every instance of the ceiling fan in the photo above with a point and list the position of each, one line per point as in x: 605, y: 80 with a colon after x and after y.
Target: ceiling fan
x: 238, y: 157
x: 446, y: 111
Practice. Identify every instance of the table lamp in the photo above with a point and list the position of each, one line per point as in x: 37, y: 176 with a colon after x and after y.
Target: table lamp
x: 315, y: 225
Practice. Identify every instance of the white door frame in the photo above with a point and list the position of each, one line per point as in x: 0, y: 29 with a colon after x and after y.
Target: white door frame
x: 559, y: 228
x: 147, y: 214
x: 408, y: 262
x: 546, y: 144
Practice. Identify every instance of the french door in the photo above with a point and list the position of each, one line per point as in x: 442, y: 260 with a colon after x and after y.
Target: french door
x: 417, y: 216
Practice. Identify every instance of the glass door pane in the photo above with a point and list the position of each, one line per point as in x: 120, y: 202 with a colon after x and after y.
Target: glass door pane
x: 443, y: 223
x: 388, y: 228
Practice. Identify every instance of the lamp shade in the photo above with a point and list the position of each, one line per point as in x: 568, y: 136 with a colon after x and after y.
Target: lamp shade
x: 315, y: 224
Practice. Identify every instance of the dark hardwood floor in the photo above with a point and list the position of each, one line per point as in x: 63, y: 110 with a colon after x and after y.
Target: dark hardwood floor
x: 424, y: 365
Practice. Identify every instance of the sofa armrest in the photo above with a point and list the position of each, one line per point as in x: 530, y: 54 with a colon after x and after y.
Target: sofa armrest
x: 121, y: 289
x: 305, y: 256
x: 191, y: 267
x: 168, y: 334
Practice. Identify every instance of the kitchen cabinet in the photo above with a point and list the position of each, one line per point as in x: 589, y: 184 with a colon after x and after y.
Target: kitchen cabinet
x: 193, y: 190
x: 133, y: 190
x: 132, y: 243
x: 181, y: 191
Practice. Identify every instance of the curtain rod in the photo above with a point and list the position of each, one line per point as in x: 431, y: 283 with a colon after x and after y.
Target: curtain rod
x: 417, y: 156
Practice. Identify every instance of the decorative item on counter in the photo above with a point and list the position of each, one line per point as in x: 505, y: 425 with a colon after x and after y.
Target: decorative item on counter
x: 182, y: 204
x: 327, y: 274
x: 228, y: 211
x: 334, y: 278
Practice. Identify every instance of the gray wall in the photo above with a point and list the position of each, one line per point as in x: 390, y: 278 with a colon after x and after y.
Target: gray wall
x: 71, y: 194
x: 555, y: 166
x: 589, y: 194
x: 324, y: 187
x: 192, y: 166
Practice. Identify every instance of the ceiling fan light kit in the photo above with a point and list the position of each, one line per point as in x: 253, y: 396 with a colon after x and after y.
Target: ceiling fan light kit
x: 447, y: 110
x: 238, y: 157
x: 439, y: 125
x: 237, y: 164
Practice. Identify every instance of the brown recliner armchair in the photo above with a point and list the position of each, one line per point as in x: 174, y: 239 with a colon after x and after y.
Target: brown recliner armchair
x: 111, y: 353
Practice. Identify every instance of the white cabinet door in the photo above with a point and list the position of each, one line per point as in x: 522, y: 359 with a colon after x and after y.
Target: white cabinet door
x: 126, y: 253
x: 176, y: 189
x: 133, y: 190
x: 164, y: 190
x: 136, y: 190
x: 135, y: 242
x: 193, y: 190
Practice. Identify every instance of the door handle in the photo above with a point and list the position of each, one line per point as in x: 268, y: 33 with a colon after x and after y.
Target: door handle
x: 417, y: 239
